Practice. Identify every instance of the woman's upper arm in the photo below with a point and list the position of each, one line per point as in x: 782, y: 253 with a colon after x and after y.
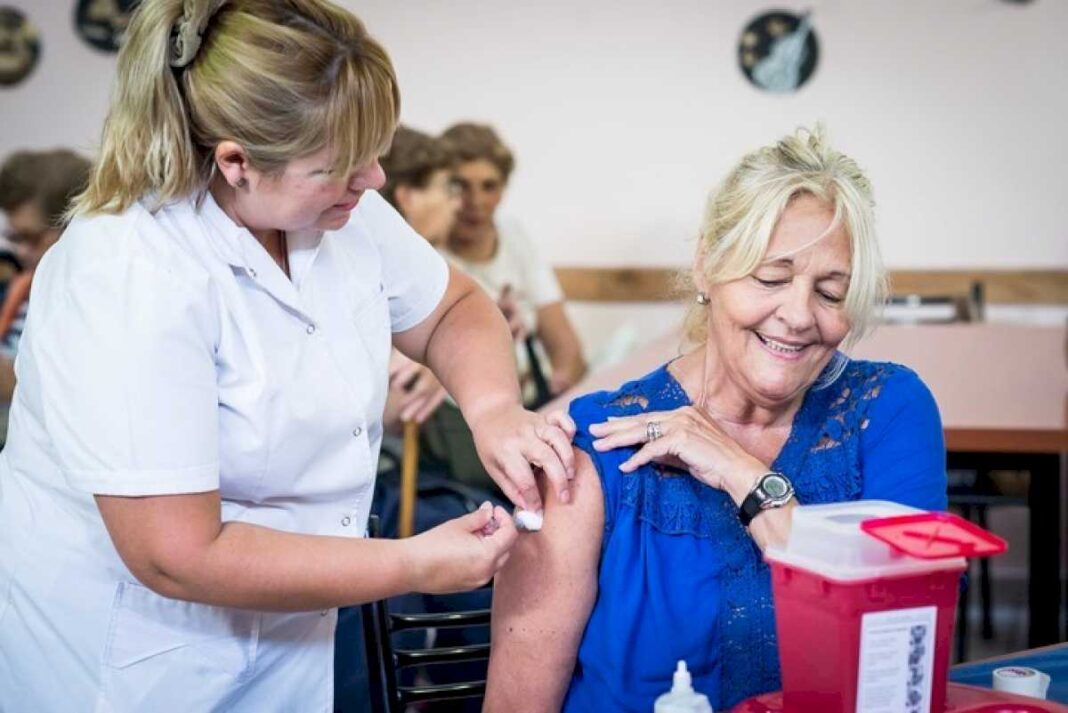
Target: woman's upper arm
x: 413, y: 342
x: 542, y: 598
x: 161, y: 538
x: 903, y: 449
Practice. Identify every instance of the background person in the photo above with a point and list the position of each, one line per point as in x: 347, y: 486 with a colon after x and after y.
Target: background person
x: 200, y: 387
x: 504, y: 259
x: 420, y: 185
x: 35, y: 191
x: 659, y: 557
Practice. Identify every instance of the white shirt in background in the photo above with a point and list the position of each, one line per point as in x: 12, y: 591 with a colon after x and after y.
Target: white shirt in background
x: 518, y: 263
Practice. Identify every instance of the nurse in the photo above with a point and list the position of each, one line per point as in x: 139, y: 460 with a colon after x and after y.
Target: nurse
x: 200, y: 385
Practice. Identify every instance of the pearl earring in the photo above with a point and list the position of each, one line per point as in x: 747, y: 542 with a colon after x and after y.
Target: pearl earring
x: 701, y: 299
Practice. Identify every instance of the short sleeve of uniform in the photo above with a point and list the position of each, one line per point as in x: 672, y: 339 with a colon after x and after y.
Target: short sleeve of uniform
x: 903, y: 449
x: 414, y: 275
x: 540, y: 281
x: 122, y: 370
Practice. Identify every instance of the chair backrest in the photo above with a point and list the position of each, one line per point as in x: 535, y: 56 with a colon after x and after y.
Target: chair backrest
x: 385, y: 661
x: 537, y: 372
x: 936, y: 309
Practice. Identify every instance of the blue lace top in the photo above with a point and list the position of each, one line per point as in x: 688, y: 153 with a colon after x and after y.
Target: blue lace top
x: 679, y: 576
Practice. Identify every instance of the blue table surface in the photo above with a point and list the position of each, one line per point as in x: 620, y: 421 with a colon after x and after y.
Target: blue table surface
x: 1053, y: 661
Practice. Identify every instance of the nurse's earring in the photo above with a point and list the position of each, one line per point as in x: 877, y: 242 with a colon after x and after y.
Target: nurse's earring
x: 241, y: 183
x: 701, y: 299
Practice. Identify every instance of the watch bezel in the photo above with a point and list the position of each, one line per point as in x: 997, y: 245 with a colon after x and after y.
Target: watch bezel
x: 769, y: 499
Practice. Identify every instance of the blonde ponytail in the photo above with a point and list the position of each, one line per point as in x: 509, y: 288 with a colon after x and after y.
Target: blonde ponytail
x: 283, y: 78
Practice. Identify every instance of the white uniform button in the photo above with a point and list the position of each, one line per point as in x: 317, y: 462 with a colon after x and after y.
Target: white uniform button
x: 324, y: 612
x: 357, y: 431
x: 346, y: 521
x: 252, y: 272
x: 310, y: 329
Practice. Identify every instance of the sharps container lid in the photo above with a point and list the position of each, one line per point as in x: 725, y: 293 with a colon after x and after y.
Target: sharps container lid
x: 827, y: 540
x: 934, y: 535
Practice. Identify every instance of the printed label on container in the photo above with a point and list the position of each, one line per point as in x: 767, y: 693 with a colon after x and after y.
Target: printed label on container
x: 896, y: 661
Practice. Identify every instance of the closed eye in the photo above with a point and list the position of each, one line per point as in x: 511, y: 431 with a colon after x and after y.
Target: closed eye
x: 770, y: 283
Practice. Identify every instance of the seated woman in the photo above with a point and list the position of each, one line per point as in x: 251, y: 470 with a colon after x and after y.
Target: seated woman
x: 659, y: 555
x: 504, y: 260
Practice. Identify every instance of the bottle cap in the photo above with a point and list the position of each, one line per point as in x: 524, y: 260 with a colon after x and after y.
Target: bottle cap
x: 681, y: 681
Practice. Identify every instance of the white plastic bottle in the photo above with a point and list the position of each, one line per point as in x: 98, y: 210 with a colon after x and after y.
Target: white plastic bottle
x: 682, y: 698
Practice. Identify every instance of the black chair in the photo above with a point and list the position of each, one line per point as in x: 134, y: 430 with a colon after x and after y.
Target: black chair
x: 385, y: 661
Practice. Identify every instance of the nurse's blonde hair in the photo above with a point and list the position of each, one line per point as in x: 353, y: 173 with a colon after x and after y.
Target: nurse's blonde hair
x: 282, y: 78
x: 742, y: 212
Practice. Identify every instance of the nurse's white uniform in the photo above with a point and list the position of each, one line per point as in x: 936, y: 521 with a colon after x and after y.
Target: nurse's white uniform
x: 168, y: 353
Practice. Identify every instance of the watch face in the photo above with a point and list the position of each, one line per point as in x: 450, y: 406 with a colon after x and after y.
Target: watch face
x: 775, y: 486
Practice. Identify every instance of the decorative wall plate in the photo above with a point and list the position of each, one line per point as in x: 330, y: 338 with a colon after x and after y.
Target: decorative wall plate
x: 778, y: 51
x: 102, y: 23
x: 20, y: 47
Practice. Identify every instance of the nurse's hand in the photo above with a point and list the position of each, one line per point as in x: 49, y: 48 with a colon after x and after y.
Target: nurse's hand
x: 461, y: 554
x: 510, y: 440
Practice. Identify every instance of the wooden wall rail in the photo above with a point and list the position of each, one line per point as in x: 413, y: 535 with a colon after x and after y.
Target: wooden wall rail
x: 655, y: 284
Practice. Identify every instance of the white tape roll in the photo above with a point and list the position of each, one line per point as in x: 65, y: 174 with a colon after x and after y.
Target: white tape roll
x: 1022, y: 681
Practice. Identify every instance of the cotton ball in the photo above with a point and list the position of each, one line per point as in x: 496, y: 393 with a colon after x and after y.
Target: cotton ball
x: 528, y: 520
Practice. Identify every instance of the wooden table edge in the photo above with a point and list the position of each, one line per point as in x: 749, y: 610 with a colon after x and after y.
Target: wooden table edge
x: 1006, y: 440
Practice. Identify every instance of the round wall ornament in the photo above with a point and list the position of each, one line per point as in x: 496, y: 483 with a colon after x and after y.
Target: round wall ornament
x: 102, y: 23
x: 20, y: 46
x: 778, y: 51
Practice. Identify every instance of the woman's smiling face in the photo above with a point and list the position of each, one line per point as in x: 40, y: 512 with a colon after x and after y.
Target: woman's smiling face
x: 775, y: 329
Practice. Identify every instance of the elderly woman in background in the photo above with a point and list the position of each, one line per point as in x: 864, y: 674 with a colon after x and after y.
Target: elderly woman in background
x: 420, y: 185
x: 686, y: 475
x: 503, y: 259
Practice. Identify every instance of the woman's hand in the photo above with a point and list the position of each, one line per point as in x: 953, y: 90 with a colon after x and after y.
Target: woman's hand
x: 461, y: 554
x: 510, y: 440
x: 413, y: 388
x: 688, y: 439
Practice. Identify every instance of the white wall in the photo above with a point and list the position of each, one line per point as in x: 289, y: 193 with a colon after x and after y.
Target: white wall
x: 624, y: 113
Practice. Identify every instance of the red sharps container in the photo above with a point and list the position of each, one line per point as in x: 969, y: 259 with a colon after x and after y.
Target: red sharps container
x: 865, y: 597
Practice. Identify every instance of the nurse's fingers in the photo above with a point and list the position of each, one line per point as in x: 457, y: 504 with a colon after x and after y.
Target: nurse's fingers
x: 560, y: 442
x: 547, y: 459
x: 517, y: 481
x: 504, y: 534
x: 563, y: 421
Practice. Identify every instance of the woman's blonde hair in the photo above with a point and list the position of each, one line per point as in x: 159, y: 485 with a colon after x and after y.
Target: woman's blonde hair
x: 282, y: 78
x: 742, y: 213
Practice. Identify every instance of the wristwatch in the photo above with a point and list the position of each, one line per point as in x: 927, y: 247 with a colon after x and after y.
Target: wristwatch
x: 772, y: 490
